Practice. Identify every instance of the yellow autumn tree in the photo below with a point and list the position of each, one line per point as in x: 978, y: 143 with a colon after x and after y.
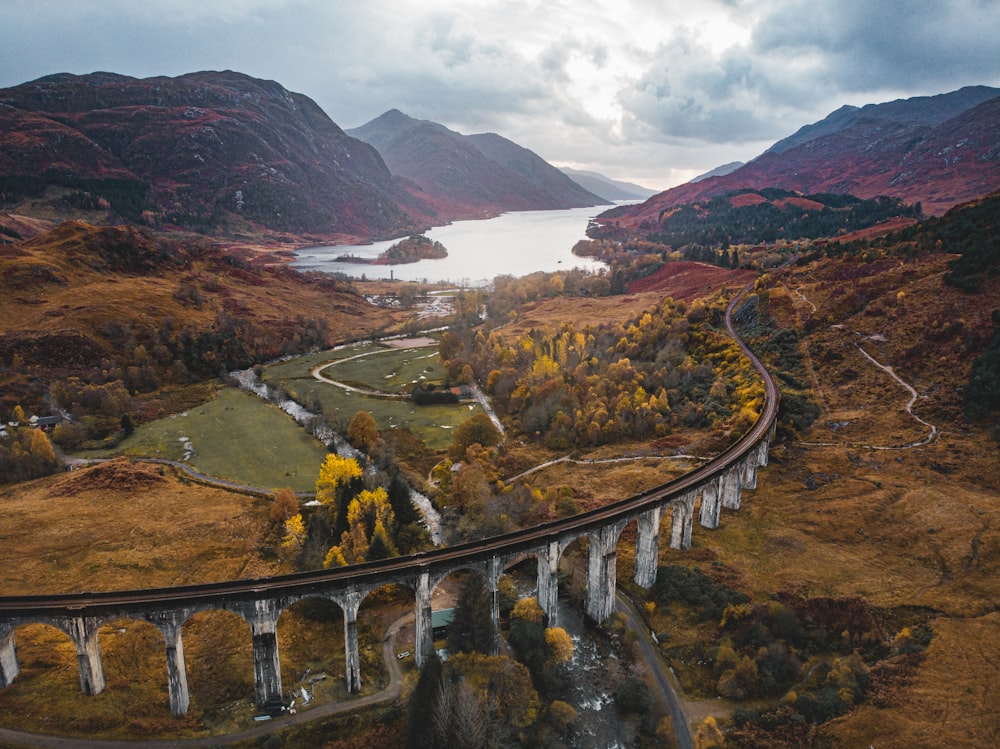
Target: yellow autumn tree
x: 42, y: 454
x: 559, y: 644
x: 295, y: 535
x: 334, y: 558
x: 708, y: 735
x: 371, y: 506
x: 354, y: 544
x: 369, y: 518
x: 528, y: 610
x: 334, y: 472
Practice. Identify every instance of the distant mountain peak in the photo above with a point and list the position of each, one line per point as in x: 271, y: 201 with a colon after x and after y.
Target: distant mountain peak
x: 472, y: 175
x: 719, y: 171
x: 607, y: 188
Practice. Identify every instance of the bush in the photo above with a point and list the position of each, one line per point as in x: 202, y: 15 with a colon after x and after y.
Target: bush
x: 677, y: 583
x: 632, y: 696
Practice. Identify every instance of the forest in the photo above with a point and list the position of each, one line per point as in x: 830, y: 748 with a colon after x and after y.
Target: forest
x: 599, y: 384
x: 764, y: 216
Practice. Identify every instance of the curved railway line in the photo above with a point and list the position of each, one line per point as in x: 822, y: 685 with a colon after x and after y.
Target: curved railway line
x: 94, y: 603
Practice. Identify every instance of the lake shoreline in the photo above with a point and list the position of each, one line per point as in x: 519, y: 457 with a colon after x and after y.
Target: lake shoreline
x: 516, y: 243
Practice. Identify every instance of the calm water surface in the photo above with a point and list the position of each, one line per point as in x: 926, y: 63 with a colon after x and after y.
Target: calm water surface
x: 516, y: 244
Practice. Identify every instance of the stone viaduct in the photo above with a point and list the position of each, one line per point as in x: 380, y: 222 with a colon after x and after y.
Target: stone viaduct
x: 701, y: 493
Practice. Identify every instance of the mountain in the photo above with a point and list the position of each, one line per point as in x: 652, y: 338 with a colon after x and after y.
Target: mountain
x: 918, y: 110
x: 219, y: 152
x: 719, y: 171
x: 469, y: 175
x: 938, y: 150
x: 607, y: 188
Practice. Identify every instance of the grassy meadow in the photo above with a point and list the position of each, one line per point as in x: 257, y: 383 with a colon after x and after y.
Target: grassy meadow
x: 376, y: 368
x: 235, y: 436
x: 239, y: 437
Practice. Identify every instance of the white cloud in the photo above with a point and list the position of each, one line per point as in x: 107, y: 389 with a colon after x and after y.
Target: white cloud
x: 648, y: 89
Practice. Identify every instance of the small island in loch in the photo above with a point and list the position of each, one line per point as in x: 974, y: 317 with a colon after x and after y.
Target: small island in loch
x: 409, y: 250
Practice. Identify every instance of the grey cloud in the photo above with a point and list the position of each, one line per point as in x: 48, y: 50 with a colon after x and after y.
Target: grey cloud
x: 867, y: 46
x: 690, y: 94
x: 477, y: 66
x: 806, y: 58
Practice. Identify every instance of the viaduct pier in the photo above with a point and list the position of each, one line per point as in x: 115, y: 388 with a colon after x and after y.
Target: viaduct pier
x: 702, y: 493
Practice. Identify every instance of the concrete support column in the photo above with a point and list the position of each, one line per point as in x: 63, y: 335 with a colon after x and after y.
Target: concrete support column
x: 177, y: 683
x: 647, y: 550
x: 493, y: 572
x: 731, y: 484
x: 711, y: 503
x: 602, y: 560
x: 83, y: 633
x: 681, y: 521
x: 9, y: 668
x: 350, y: 602
x: 548, y: 582
x: 423, y: 644
x: 748, y: 470
x: 263, y: 620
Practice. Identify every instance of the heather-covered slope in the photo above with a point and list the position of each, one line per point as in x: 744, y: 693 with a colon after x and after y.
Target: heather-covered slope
x: 470, y: 174
x: 219, y: 152
x: 938, y: 150
x: 107, y: 303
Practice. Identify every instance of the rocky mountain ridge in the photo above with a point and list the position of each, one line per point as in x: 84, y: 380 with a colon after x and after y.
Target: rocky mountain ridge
x: 482, y: 174
x: 939, y: 151
x: 218, y: 152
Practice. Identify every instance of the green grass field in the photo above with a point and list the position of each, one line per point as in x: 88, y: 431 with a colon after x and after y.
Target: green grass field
x: 235, y: 436
x: 240, y: 437
x: 374, y: 367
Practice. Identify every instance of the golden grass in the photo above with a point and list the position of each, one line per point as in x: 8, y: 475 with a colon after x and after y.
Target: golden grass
x: 951, y: 700
x: 76, y: 532
x: 905, y: 527
x: 551, y: 313
x: 87, y: 299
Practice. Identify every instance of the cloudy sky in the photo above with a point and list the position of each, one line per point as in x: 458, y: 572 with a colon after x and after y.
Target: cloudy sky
x: 653, y: 91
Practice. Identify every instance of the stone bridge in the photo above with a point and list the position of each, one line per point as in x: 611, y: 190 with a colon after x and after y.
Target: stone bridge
x: 701, y: 493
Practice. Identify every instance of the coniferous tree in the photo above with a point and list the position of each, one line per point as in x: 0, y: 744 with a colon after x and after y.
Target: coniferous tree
x: 471, y: 629
x: 422, y: 704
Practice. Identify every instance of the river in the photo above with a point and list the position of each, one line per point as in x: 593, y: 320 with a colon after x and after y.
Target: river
x: 515, y: 244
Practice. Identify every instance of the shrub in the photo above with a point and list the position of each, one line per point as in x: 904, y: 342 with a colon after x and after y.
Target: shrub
x: 632, y: 696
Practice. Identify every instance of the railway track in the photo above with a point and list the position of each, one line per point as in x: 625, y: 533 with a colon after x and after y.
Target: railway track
x: 99, y: 603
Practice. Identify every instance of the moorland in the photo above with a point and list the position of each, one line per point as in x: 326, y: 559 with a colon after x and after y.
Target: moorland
x: 851, y: 601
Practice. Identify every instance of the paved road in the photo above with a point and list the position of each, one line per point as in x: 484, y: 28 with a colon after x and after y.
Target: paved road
x: 651, y: 657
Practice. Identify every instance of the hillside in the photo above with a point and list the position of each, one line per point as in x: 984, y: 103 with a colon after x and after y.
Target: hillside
x: 469, y: 175
x: 938, y: 150
x: 754, y: 217
x: 216, y: 152
x: 109, y: 304
x: 607, y: 188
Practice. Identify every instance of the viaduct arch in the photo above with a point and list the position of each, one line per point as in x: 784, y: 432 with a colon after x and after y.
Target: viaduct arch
x: 704, y: 491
